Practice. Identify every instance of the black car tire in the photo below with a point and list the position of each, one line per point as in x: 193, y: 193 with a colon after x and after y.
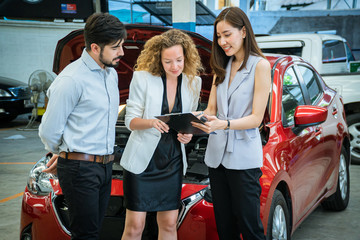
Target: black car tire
x: 278, y: 226
x: 8, y: 118
x: 340, y: 199
x: 353, y: 122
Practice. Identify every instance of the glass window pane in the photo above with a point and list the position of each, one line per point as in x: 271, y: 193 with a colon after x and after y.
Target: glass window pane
x: 333, y: 51
x: 311, y: 82
x: 136, y: 14
x: 349, y: 54
x: 286, y: 51
x: 292, y: 96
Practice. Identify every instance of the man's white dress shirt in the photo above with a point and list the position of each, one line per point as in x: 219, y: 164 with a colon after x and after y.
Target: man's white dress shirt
x: 82, y: 110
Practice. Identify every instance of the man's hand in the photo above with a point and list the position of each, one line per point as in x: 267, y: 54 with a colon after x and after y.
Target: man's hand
x: 52, y: 165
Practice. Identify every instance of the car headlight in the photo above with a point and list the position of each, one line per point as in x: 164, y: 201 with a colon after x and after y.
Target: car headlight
x: 190, y: 201
x: 4, y: 93
x: 39, y: 182
x: 21, y: 91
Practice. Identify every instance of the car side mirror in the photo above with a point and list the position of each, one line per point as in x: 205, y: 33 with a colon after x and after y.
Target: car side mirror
x: 307, y: 115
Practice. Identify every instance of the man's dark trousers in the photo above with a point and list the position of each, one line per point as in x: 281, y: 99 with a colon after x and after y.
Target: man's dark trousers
x: 86, y: 187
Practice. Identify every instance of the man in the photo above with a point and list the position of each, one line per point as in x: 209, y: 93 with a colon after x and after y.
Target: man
x: 79, y: 125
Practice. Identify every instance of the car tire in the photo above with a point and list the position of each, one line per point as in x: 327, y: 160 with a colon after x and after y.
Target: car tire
x: 340, y: 199
x: 353, y: 122
x: 8, y: 119
x: 278, y: 226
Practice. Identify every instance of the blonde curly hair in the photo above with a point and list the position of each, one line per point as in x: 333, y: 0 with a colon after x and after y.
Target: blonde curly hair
x: 150, y: 57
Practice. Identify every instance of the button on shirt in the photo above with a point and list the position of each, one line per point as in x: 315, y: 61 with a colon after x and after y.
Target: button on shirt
x: 82, y: 110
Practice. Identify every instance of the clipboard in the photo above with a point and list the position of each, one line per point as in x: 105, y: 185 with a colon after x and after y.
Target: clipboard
x: 181, y: 122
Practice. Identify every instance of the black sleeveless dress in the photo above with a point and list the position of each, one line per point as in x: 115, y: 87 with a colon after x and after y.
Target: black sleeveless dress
x: 158, y: 188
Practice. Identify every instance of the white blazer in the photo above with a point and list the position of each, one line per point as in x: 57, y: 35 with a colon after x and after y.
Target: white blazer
x: 145, y: 101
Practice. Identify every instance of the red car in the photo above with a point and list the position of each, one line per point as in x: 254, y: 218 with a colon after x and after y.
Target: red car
x: 305, y: 143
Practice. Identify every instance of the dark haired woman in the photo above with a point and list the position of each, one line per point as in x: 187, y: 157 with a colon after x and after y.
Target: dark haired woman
x: 235, y: 110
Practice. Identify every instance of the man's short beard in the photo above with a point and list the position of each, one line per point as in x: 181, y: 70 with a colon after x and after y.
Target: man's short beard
x: 108, y: 64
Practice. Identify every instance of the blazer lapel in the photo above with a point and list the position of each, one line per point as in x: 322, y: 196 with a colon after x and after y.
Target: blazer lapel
x: 186, y: 94
x: 238, y: 79
x: 156, y: 89
x: 222, y: 93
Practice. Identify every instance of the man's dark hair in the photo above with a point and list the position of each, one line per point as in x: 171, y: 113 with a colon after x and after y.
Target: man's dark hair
x: 103, y: 29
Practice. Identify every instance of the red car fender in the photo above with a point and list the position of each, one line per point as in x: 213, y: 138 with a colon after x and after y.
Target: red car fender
x: 198, y: 225
x: 281, y: 177
x: 36, y: 210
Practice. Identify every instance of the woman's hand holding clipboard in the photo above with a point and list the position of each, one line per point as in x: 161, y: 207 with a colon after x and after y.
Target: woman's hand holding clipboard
x: 182, y: 122
x: 206, y: 124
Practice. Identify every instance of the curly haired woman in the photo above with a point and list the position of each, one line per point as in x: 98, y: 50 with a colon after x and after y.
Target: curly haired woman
x: 165, y: 81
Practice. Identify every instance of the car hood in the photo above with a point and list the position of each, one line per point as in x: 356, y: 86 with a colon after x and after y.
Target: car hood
x: 9, y: 82
x: 70, y: 48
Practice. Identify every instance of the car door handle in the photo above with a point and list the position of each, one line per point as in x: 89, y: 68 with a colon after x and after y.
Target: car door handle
x: 318, y: 131
x: 334, y: 110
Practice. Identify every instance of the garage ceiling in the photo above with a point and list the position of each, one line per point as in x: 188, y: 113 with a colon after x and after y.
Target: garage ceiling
x: 163, y: 11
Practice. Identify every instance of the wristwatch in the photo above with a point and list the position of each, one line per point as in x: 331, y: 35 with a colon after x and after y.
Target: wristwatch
x: 228, y: 125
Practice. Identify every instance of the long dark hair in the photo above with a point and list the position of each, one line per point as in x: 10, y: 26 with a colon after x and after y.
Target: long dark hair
x: 238, y: 19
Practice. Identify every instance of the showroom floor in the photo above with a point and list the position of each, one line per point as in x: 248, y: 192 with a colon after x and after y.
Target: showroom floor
x: 20, y: 149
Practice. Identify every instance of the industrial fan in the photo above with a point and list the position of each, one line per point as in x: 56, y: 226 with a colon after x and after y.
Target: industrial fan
x: 39, y: 82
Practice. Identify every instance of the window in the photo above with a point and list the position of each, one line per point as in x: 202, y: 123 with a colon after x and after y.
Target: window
x: 311, y: 82
x: 333, y: 51
x: 129, y: 12
x: 292, y: 97
x: 286, y: 47
x: 349, y: 54
x: 286, y: 51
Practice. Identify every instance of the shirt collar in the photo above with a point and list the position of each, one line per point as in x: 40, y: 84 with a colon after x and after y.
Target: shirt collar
x: 89, y: 61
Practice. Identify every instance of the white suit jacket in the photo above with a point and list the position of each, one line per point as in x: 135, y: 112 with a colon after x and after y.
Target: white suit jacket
x: 145, y: 101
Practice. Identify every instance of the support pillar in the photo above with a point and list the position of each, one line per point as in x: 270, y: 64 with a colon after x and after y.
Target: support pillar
x: 245, y: 5
x: 97, y: 6
x: 184, y: 14
x: 211, y: 4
